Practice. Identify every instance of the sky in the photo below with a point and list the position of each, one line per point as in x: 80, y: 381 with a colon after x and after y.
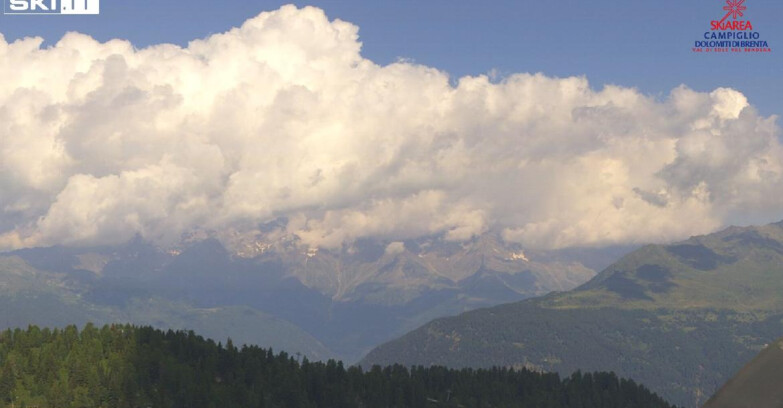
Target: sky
x: 559, y: 123
x: 640, y: 44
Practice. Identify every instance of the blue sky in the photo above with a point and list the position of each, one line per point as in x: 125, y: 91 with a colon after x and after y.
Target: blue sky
x: 100, y: 142
x: 634, y: 43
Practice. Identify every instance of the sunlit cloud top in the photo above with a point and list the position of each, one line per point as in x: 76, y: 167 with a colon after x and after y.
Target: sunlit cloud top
x: 282, y: 118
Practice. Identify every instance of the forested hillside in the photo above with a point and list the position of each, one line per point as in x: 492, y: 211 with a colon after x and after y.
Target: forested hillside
x: 125, y: 366
x: 679, y: 318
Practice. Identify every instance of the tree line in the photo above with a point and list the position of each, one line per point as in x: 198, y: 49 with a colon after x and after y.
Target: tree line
x: 124, y: 366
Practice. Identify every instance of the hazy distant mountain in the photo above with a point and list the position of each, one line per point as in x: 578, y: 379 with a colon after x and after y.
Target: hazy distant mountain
x: 55, y: 299
x: 757, y: 385
x: 350, y: 299
x: 680, y: 318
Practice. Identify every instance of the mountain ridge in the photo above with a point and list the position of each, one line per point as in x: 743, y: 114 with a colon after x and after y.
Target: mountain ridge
x: 348, y: 300
x: 662, y: 315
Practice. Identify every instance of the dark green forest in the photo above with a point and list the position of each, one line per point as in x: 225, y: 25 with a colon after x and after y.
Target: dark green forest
x: 121, y: 366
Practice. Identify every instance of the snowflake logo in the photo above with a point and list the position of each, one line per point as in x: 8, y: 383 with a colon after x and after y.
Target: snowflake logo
x: 734, y: 8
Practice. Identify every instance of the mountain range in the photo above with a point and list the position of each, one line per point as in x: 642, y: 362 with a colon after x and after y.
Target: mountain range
x: 680, y: 318
x: 277, y: 293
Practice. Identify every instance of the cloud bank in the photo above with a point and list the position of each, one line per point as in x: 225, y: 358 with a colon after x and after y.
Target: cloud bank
x: 283, y: 118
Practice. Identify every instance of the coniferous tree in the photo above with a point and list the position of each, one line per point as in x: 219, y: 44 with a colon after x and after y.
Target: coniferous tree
x: 122, y: 366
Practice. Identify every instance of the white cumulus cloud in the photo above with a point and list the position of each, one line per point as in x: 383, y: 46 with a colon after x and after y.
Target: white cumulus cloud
x: 282, y: 118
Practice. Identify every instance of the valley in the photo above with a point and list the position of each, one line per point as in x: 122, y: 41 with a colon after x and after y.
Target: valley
x: 321, y: 303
